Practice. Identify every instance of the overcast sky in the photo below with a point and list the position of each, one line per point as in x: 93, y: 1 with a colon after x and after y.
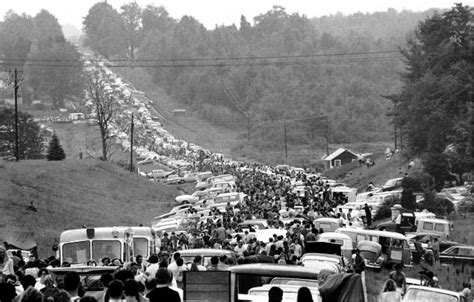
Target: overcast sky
x: 222, y: 12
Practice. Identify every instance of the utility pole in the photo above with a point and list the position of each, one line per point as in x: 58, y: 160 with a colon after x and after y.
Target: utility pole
x: 15, y: 89
x: 327, y: 135
x: 286, y: 141
x: 131, y: 146
x: 395, y: 135
x: 248, y: 128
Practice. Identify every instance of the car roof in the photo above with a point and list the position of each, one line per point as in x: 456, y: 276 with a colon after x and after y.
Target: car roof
x: 334, y: 235
x: 434, y: 289
x: 205, y: 252
x: 275, y: 270
x: 435, y: 220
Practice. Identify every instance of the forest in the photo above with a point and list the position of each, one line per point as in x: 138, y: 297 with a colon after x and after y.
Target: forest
x: 277, y: 67
x: 356, y: 78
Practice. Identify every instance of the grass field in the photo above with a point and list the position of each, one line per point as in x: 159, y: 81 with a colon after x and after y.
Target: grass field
x: 72, y: 193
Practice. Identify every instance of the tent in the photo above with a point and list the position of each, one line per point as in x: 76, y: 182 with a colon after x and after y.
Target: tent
x: 24, y: 241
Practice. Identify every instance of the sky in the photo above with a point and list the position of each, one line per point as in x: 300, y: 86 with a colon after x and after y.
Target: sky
x: 222, y: 12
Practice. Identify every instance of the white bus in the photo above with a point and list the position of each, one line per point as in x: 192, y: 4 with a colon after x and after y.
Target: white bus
x: 88, y: 245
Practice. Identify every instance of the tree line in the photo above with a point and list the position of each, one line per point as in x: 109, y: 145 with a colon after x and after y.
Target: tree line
x: 33, y: 46
x: 280, y: 66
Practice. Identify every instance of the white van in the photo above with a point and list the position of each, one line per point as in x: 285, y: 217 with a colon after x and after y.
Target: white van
x: 442, y: 227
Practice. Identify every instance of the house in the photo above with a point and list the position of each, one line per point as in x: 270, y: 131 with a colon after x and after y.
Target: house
x: 339, y: 157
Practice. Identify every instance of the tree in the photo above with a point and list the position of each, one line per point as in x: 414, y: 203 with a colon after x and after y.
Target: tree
x: 105, y: 30
x: 55, y: 151
x: 16, y: 36
x: 56, y: 80
x: 434, y: 108
x: 30, y: 140
x: 106, y: 107
x: 132, y: 19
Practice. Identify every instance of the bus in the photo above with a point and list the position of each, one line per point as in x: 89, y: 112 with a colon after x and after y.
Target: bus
x: 90, y: 245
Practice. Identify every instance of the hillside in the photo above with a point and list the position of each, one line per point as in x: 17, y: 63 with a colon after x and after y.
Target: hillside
x: 73, y: 193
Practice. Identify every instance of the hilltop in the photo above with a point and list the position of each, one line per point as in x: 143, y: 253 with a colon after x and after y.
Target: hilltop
x: 72, y: 193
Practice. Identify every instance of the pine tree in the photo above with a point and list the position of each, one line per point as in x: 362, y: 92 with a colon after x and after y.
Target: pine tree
x: 55, y: 151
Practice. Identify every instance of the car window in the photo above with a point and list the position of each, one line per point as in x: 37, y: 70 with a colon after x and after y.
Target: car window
x: 428, y: 226
x: 439, y: 227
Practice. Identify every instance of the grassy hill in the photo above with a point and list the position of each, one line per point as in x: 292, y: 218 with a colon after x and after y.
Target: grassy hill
x: 72, y: 193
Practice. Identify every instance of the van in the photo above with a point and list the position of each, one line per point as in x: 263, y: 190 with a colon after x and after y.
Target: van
x: 327, y: 224
x: 441, y: 227
x: 233, y: 198
x: 228, y: 186
x: 394, y: 246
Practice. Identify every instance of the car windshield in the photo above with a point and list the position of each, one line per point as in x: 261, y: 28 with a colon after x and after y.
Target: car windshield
x: 247, y: 281
x: 106, y: 248
x: 416, y: 295
x: 140, y: 247
x: 76, y: 252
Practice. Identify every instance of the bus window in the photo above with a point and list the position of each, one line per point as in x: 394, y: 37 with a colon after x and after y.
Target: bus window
x: 439, y: 227
x: 360, y: 237
x: 140, y: 247
x: 428, y: 226
x: 76, y: 252
x: 106, y: 248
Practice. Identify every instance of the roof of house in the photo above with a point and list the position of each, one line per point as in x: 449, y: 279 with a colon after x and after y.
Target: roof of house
x: 338, y: 152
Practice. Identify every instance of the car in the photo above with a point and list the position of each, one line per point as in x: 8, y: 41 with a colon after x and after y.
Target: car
x: 417, y: 293
x: 458, y: 254
x: 392, y: 184
x: 174, y: 179
x: 196, y: 196
x: 319, y: 262
x: 190, y: 177
x: 206, y: 254
x: 290, y: 292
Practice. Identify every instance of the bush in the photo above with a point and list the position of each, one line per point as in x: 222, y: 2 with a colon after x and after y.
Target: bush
x: 438, y: 205
x: 55, y: 151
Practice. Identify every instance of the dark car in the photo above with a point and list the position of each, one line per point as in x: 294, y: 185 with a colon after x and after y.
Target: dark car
x: 458, y: 254
x: 392, y: 184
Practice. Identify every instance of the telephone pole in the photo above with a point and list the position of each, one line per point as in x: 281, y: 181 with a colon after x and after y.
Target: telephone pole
x: 327, y: 135
x: 286, y: 141
x: 131, y: 145
x: 15, y: 89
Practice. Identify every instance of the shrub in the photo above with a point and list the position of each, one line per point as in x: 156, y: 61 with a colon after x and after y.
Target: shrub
x: 436, y: 204
x: 55, y: 151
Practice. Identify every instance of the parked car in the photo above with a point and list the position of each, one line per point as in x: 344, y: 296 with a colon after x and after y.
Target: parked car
x: 174, y: 179
x: 417, y: 293
x: 319, y: 262
x: 193, y: 198
x: 290, y: 292
x: 458, y: 254
x: 392, y: 184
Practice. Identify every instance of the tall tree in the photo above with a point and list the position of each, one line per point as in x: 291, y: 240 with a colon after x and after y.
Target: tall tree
x: 132, y: 19
x: 59, y: 75
x: 106, y: 107
x: 16, y: 36
x: 105, y: 30
x: 434, y: 108
x: 30, y: 140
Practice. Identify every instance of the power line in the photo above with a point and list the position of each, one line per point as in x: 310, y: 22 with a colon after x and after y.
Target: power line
x: 230, y: 64
x: 217, y: 58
